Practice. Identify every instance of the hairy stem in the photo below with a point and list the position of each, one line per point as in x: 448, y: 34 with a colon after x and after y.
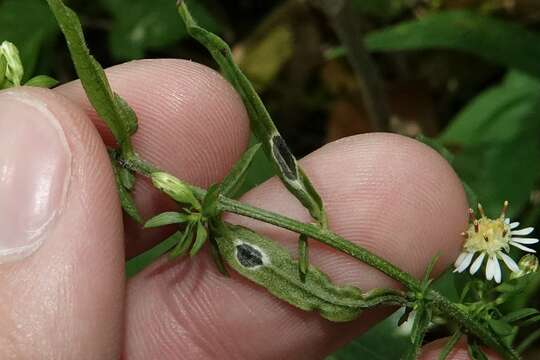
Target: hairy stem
x: 445, y: 306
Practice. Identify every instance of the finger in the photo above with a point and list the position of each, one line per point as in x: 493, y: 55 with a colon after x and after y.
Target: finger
x: 432, y: 350
x: 389, y: 194
x: 61, y: 244
x: 191, y: 123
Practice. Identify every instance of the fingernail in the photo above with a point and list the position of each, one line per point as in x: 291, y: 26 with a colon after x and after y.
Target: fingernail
x: 34, y: 174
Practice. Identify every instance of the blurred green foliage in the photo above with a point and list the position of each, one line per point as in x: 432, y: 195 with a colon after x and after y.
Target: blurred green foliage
x: 476, y: 60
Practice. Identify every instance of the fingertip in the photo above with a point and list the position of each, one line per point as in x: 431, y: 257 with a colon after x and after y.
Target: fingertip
x: 432, y: 351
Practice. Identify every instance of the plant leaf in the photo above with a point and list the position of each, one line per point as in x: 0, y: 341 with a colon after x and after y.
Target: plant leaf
x: 520, y: 314
x: 210, y: 208
x: 184, y: 243
x: 421, y: 322
x: 234, y: 180
x: 200, y: 239
x: 43, y: 81
x: 475, y: 352
x: 271, y: 266
x: 138, y: 263
x: 466, y: 31
x: 94, y: 81
x: 450, y: 345
x: 303, y: 256
x: 262, y: 126
x: 166, y: 218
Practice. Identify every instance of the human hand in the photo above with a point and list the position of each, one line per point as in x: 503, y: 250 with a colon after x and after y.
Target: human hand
x: 63, y: 293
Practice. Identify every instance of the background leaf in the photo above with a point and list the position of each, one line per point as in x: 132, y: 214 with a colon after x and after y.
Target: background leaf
x: 142, y: 25
x: 501, y: 42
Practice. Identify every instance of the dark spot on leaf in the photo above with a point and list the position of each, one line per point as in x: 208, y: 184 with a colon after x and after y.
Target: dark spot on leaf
x: 248, y: 256
x: 284, y: 157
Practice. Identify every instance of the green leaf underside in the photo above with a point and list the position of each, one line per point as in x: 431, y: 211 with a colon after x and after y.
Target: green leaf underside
x: 497, y: 41
x: 166, y: 218
x: 271, y: 266
x: 261, y: 123
x: 107, y: 104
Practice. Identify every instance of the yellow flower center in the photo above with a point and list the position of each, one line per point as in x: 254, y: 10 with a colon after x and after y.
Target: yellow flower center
x: 488, y: 235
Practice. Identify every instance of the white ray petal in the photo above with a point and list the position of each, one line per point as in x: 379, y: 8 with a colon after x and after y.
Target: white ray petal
x: 525, y: 231
x: 514, y: 225
x: 507, y: 221
x: 522, y: 247
x: 477, y: 263
x: 508, y: 261
x: 489, y: 268
x: 527, y: 241
x: 460, y: 258
x: 497, y: 270
x: 465, y: 262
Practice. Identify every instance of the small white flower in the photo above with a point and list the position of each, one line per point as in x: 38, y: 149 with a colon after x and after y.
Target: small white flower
x: 491, y: 240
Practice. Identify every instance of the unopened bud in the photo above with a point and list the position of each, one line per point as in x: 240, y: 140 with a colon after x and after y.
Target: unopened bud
x: 528, y: 264
x: 175, y: 188
x: 14, y: 70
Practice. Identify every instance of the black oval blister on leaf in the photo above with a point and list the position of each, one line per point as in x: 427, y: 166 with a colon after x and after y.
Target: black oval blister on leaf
x: 248, y: 256
x: 284, y: 157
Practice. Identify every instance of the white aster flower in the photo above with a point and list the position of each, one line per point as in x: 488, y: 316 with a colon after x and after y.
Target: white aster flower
x: 491, y: 239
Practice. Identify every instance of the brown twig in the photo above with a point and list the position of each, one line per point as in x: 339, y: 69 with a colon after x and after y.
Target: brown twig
x: 348, y: 29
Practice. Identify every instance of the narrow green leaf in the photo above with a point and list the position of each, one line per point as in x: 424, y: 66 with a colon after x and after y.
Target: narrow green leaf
x: 126, y: 178
x: 262, y: 126
x: 271, y: 266
x: 450, y: 345
x: 426, y: 281
x: 216, y: 255
x: 126, y: 200
x: 92, y: 76
x: 235, y: 178
x: 520, y: 314
x: 528, y: 341
x: 166, y: 218
x: 466, y: 31
x: 126, y: 113
x: 200, y: 239
x: 210, y: 202
x: 421, y: 322
x: 303, y: 256
x: 138, y: 263
x: 43, y: 81
x: 185, y: 242
x: 128, y: 204
x: 475, y: 352
x: 500, y: 327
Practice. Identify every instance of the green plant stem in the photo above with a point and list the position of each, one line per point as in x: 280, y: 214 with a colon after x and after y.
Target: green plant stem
x: 445, y: 306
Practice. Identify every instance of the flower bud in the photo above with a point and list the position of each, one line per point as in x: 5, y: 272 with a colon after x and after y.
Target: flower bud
x: 528, y: 264
x: 14, y: 69
x: 175, y: 188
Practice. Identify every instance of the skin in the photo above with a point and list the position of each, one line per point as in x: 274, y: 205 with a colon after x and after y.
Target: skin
x: 70, y: 299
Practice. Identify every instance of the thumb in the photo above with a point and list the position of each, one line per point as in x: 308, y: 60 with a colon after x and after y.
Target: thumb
x: 61, y: 239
